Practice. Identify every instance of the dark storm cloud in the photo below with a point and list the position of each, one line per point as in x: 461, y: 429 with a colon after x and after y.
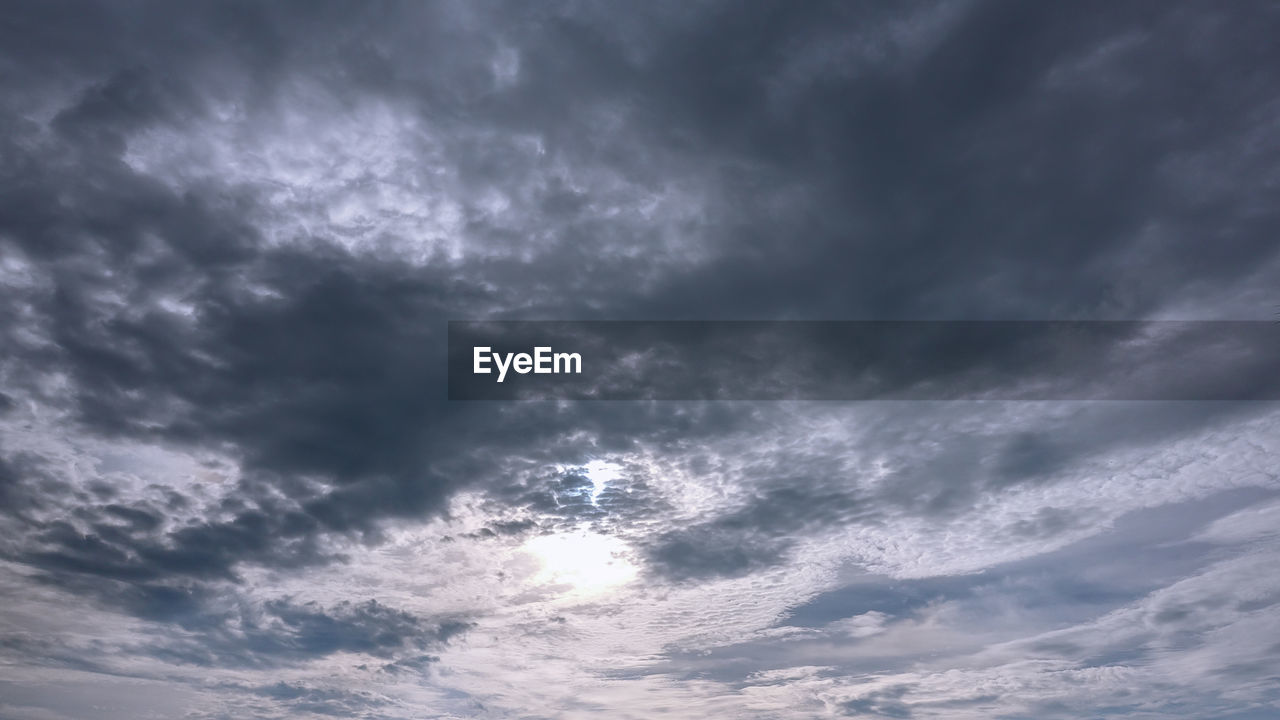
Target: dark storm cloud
x: 923, y: 201
x: 341, y: 378
x: 988, y: 189
x: 897, y: 151
x: 338, y: 375
x: 985, y: 160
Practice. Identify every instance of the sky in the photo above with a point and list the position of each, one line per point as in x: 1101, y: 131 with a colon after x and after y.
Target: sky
x: 232, y: 484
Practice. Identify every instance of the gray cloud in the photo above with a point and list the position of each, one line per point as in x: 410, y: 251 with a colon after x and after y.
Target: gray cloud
x: 231, y: 236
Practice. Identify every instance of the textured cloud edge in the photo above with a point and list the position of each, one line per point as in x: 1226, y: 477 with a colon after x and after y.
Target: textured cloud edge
x: 231, y: 484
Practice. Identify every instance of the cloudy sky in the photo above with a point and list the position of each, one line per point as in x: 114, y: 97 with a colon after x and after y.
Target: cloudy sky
x: 232, y: 235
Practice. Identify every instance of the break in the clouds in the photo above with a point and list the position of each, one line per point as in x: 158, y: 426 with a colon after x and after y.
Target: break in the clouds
x: 232, y: 234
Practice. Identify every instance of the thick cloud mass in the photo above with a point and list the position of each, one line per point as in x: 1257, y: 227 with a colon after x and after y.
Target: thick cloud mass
x: 232, y: 234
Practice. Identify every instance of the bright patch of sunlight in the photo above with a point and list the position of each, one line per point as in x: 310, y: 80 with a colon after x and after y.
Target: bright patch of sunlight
x: 587, y: 561
x: 601, y: 473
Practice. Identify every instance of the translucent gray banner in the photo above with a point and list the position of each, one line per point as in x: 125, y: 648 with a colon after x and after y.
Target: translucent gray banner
x: 864, y: 360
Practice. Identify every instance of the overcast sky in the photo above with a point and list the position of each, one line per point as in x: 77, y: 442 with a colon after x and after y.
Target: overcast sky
x: 231, y: 235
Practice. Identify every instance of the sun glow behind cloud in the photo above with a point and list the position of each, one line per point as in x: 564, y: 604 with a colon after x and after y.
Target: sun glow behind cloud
x: 601, y: 473
x: 588, y: 562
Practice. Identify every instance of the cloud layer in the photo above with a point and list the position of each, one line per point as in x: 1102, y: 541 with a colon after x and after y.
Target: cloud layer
x: 232, y: 485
